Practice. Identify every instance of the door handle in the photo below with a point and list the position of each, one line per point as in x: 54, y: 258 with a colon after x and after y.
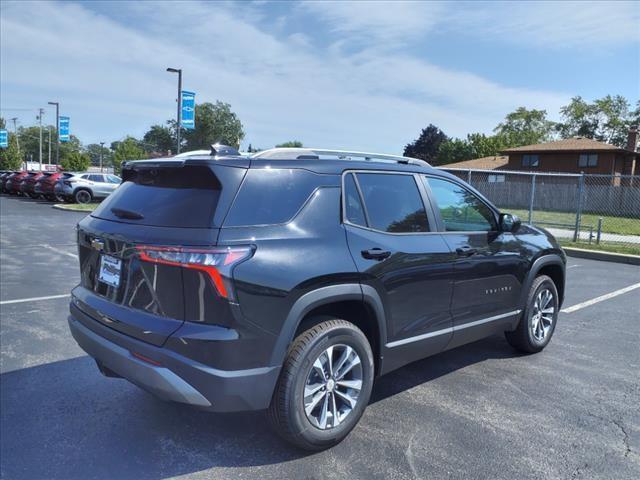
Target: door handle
x: 375, y: 254
x: 466, y: 251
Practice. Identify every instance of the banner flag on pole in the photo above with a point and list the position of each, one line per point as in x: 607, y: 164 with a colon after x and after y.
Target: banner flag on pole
x: 63, y: 129
x: 188, y: 120
x: 4, y: 139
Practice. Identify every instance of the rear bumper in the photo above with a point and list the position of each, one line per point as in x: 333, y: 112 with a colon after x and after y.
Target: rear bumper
x: 172, y: 376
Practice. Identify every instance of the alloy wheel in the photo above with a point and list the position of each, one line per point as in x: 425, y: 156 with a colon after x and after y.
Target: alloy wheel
x: 333, y: 386
x: 542, y: 315
x: 83, y: 196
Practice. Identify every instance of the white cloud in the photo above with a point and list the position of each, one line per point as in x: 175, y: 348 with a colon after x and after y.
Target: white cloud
x: 390, y: 24
x: 552, y: 24
x: 109, y: 76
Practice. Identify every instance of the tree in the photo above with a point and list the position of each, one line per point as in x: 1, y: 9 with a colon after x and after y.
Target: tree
x: 159, y: 139
x: 10, y: 158
x: 453, y: 150
x: 128, y: 149
x: 606, y: 119
x: 525, y: 127
x: 94, y: 150
x: 75, y: 162
x: 290, y: 144
x: 214, y: 123
x: 426, y: 146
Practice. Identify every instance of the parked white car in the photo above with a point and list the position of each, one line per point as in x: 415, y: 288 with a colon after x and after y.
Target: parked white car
x: 86, y: 187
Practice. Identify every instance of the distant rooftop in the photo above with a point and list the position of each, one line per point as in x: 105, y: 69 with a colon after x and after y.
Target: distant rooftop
x: 485, y: 163
x: 574, y: 144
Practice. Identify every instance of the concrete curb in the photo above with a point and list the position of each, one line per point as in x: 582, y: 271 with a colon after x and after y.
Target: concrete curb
x: 61, y: 206
x: 604, y: 256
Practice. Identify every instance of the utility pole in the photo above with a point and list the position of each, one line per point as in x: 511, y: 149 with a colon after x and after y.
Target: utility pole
x: 101, y: 150
x: 57, y: 131
x: 15, y: 130
x: 40, y: 113
x: 179, y: 115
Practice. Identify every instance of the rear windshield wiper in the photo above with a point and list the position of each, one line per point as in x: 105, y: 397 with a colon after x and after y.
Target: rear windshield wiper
x: 128, y: 214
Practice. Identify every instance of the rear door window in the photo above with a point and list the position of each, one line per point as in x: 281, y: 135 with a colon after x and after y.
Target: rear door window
x: 165, y: 197
x: 393, y: 203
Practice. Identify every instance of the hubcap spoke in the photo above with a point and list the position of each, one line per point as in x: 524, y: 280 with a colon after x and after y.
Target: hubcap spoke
x: 309, y: 407
x: 335, y: 421
x: 352, y: 361
x: 333, y: 386
x: 323, y: 413
x: 355, y: 384
x: 347, y: 398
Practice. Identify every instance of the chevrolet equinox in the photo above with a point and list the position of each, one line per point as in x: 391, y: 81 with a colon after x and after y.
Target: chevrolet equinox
x: 290, y: 280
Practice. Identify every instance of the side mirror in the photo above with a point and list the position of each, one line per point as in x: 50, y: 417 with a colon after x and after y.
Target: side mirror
x: 509, y: 222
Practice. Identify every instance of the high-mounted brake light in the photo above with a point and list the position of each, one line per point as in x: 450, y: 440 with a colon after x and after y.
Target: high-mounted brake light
x: 216, y: 262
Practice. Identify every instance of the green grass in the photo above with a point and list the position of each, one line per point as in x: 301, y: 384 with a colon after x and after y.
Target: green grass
x: 86, y: 207
x: 603, y: 247
x: 610, y: 224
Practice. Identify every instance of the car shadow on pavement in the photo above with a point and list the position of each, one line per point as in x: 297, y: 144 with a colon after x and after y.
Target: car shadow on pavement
x: 63, y: 420
x: 430, y: 368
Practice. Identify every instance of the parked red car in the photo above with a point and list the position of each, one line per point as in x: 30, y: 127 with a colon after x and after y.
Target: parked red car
x: 46, y: 185
x: 13, y: 182
x: 27, y: 186
x: 3, y: 180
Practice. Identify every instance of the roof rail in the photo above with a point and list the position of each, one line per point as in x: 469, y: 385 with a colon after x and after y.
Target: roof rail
x: 318, y: 153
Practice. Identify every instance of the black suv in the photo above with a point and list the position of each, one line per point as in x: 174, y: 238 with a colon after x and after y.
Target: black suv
x: 289, y: 280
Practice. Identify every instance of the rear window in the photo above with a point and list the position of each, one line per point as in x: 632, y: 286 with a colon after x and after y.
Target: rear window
x: 271, y: 196
x: 164, y: 197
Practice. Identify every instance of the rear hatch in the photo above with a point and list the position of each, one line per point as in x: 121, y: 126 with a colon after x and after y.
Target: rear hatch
x: 129, y: 281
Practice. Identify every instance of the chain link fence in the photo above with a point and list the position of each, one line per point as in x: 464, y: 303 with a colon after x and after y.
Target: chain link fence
x: 594, y: 211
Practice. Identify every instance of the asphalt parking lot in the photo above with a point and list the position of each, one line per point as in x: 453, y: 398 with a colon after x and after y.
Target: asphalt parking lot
x: 480, y: 411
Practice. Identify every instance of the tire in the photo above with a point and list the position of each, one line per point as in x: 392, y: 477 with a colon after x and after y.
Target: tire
x: 82, y: 196
x: 287, y: 413
x: 535, y: 329
x: 33, y: 195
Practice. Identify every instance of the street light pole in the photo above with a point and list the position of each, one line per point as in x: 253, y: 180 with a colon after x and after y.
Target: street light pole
x: 57, y: 131
x: 40, y: 113
x: 101, y: 150
x: 15, y: 130
x: 179, y: 114
x: 49, y: 160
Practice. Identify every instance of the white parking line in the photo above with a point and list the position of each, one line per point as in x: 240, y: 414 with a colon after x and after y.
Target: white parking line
x: 34, y: 299
x: 63, y: 252
x: 599, y: 299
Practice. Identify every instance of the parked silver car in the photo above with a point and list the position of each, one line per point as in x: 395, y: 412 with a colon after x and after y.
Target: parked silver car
x: 86, y: 187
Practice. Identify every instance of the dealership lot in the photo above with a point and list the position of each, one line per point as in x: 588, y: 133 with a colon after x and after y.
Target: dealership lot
x: 480, y: 411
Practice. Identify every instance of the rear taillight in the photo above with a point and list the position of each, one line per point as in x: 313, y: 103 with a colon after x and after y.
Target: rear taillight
x: 216, y: 262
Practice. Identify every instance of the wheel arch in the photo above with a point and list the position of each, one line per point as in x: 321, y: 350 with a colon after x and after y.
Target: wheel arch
x: 551, y: 265
x: 344, y: 300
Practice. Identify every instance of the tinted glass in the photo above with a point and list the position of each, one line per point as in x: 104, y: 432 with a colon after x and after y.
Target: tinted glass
x: 393, y: 203
x: 460, y: 209
x: 96, y: 178
x: 114, y: 179
x: 353, y: 204
x: 271, y: 196
x: 167, y: 197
